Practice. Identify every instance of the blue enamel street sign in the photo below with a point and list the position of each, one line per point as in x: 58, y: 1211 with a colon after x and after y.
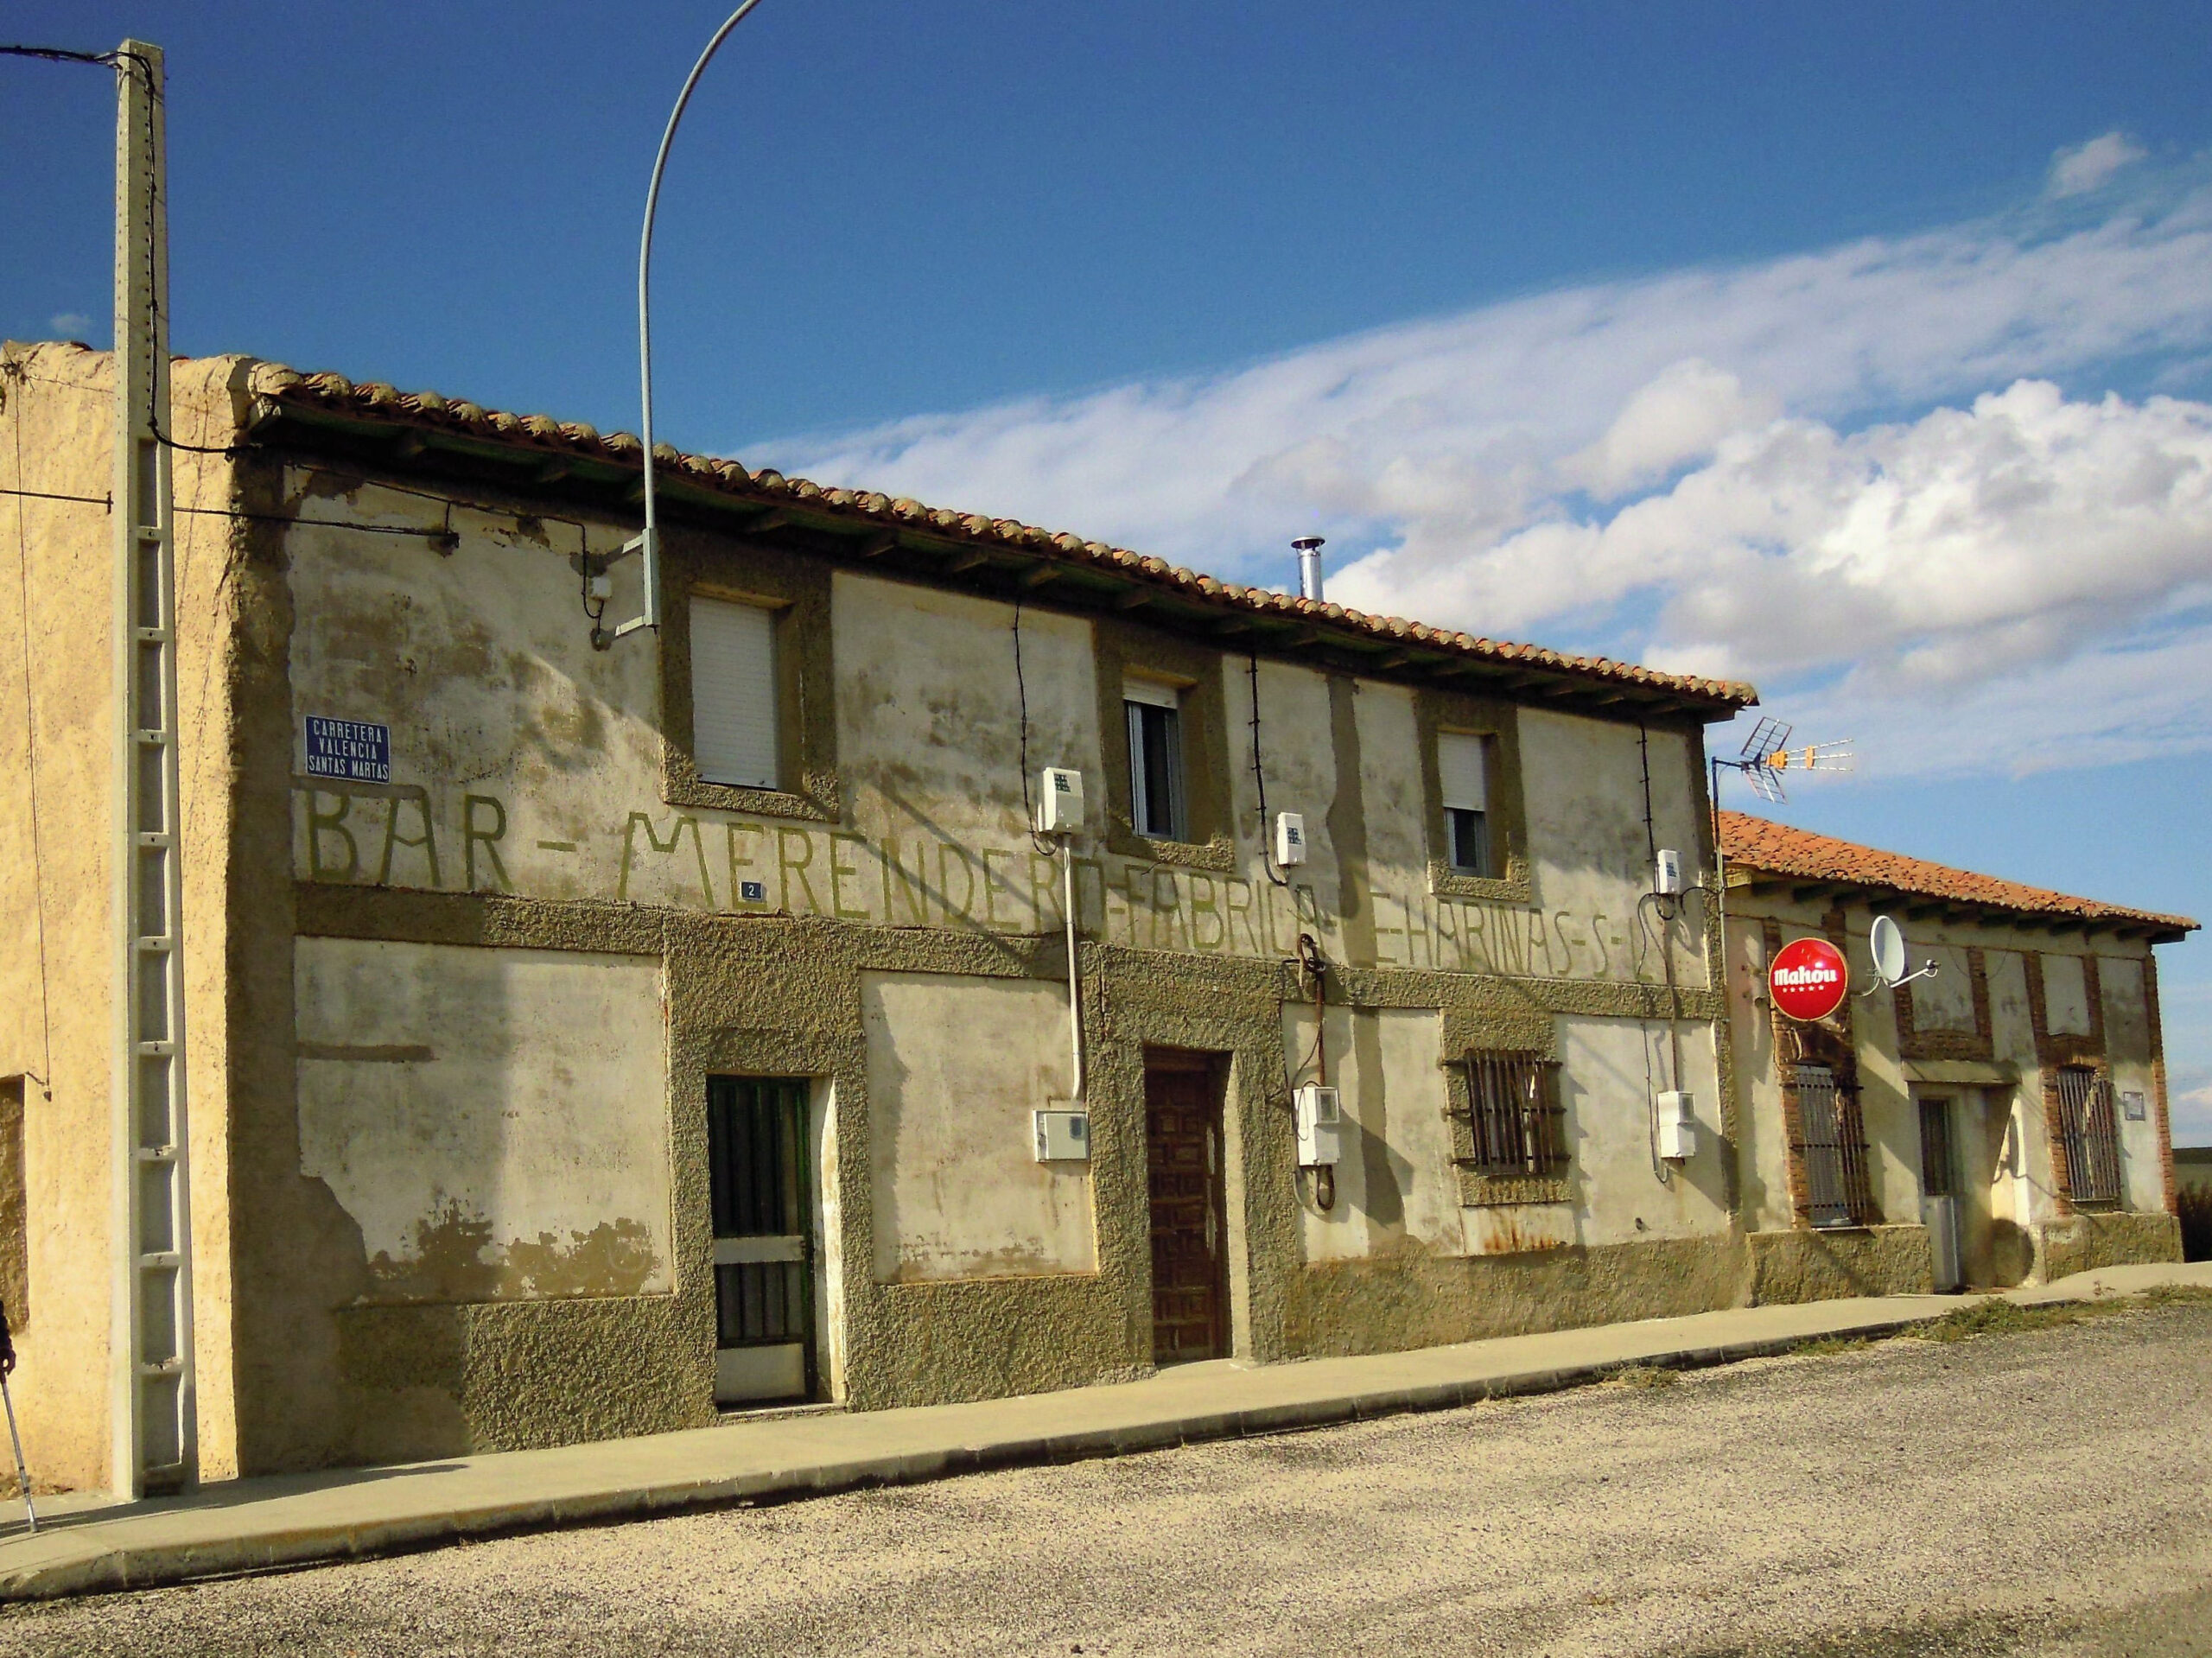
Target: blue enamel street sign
x: 350, y: 749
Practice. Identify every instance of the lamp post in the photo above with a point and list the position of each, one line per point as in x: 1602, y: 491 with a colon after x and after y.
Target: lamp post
x: 648, y: 543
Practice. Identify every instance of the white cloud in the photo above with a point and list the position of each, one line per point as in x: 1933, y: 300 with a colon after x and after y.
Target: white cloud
x: 68, y: 325
x: 1927, y: 557
x: 2190, y: 1102
x: 1679, y: 417
x: 2083, y: 167
x: 1679, y: 470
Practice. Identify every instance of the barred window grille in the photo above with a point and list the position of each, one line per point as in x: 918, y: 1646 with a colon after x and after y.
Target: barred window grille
x: 2090, y: 1136
x: 1833, y: 1146
x: 1517, y: 1123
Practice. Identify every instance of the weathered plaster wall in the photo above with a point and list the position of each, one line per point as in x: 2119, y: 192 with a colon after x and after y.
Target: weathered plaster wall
x: 1988, y: 1048
x: 955, y: 1068
x: 1611, y: 1068
x: 533, y: 810
x: 492, y: 1121
x: 1589, y: 847
x: 1395, y: 1190
x: 57, y: 818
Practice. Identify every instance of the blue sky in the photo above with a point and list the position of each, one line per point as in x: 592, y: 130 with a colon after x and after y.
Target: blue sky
x: 1865, y: 351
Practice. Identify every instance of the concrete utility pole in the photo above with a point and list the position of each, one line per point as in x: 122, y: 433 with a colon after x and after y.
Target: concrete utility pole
x: 152, y: 1414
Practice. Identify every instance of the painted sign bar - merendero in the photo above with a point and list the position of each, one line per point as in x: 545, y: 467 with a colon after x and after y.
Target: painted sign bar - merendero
x: 354, y: 750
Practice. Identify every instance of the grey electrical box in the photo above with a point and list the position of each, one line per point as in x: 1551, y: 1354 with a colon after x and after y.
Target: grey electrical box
x: 1667, y: 873
x: 1290, y: 840
x: 1063, y: 1136
x: 1677, y: 1126
x: 1321, y: 1126
x: 1059, y: 804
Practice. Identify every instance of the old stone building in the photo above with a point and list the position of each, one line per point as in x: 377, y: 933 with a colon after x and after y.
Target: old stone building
x: 2001, y: 1120
x: 584, y: 1036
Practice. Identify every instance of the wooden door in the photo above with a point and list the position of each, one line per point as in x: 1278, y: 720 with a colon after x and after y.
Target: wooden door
x: 1189, y: 1239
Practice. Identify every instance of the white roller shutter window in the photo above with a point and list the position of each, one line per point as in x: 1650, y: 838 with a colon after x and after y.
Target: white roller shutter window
x: 1463, y: 772
x: 734, y: 727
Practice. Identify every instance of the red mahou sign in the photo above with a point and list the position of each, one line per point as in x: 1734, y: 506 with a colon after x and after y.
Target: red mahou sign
x: 1807, y: 979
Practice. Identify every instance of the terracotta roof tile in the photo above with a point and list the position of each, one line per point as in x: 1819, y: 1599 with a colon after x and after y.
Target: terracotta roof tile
x: 1778, y: 849
x: 281, y: 385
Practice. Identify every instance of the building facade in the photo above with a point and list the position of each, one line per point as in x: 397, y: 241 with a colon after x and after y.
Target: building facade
x: 584, y: 1036
x: 2001, y: 1120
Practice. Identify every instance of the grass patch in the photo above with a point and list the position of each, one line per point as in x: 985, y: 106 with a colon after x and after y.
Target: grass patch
x: 1827, y: 1346
x: 2000, y: 1317
x: 1644, y: 1377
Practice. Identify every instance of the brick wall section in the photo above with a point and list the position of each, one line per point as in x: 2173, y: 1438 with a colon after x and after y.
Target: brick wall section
x: 1977, y: 1044
x: 2053, y: 1052
x: 2172, y: 1185
x: 1830, y: 1043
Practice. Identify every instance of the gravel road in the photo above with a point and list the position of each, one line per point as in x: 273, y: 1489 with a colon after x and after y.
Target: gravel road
x: 2047, y: 1492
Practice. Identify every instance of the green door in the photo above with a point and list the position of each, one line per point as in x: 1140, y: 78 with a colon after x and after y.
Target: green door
x: 763, y: 1196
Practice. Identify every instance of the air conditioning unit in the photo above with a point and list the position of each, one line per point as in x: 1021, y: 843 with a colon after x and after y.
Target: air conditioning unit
x: 1677, y: 1126
x: 1059, y: 802
x: 1321, y: 1126
x: 1063, y: 1136
x: 1290, y: 840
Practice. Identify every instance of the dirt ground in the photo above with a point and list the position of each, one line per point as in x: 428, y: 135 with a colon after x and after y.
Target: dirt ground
x: 2045, y: 1491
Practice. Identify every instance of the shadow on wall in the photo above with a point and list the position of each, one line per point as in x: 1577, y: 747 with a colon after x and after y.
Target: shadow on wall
x: 2194, y: 1204
x: 455, y: 1260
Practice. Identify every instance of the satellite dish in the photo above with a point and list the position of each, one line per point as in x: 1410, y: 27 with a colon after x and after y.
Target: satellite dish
x: 1888, y: 947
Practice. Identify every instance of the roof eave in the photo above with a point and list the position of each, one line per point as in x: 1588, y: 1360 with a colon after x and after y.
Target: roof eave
x: 949, y: 550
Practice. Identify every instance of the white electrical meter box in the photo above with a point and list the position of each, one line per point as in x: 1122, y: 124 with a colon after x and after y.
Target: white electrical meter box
x: 1059, y: 804
x: 1677, y: 1126
x: 1667, y: 874
x: 1290, y: 840
x: 1321, y: 1126
x: 1063, y: 1136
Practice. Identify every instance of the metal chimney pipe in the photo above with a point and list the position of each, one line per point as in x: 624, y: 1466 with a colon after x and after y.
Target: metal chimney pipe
x: 1309, y: 566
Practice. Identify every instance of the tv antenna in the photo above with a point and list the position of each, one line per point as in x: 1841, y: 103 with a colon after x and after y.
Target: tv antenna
x: 1767, y: 756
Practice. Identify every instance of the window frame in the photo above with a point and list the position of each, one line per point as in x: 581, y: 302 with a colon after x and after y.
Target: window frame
x: 2089, y: 1137
x: 1146, y: 717
x: 1125, y: 652
x: 1438, y: 714
x: 778, y: 759
x: 1834, y: 1154
x: 1516, y: 1115
x: 796, y: 592
x: 1459, y: 818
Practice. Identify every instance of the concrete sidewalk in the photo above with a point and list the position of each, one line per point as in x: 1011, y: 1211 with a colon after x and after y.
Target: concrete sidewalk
x: 85, y: 1543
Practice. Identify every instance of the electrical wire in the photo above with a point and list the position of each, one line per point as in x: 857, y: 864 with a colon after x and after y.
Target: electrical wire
x: 1260, y: 774
x: 1667, y: 906
x: 107, y: 501
x: 1040, y: 844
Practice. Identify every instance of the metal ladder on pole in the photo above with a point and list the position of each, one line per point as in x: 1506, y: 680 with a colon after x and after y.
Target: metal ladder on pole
x: 153, y: 1412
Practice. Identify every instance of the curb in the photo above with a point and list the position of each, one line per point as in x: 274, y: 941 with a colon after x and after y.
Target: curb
x: 159, y: 1565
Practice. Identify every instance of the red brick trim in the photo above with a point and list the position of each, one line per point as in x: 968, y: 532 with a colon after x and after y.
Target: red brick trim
x: 2171, y: 1182
x: 1829, y: 1043
x: 2053, y: 1052
x: 1977, y: 1044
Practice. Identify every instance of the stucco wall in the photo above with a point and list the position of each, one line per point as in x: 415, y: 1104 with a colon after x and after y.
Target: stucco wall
x: 492, y: 1120
x: 542, y: 876
x: 57, y: 823
x: 955, y: 1068
x: 1989, y: 1048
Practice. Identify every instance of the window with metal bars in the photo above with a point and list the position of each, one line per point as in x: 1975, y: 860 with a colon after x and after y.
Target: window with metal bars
x: 2090, y: 1136
x: 1516, y: 1122
x: 1831, y: 1141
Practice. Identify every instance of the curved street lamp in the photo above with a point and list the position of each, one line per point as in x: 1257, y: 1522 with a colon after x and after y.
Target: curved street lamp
x: 648, y: 543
